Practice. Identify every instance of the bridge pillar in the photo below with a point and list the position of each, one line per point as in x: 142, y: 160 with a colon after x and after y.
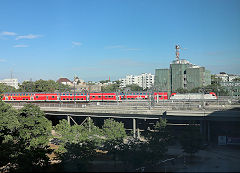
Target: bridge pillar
x: 138, y: 133
x: 68, y: 119
x: 134, y: 127
x: 89, y: 124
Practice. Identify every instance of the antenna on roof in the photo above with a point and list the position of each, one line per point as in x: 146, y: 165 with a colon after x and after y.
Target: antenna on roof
x: 177, y: 52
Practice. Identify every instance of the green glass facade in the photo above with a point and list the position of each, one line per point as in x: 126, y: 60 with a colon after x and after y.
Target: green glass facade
x: 181, y: 75
x: 162, y: 79
x: 178, y: 76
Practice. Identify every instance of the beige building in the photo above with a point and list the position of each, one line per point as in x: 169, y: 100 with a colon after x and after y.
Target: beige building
x: 10, y: 82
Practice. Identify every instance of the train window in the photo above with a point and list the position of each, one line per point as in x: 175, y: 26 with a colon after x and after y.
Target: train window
x: 81, y: 98
x: 53, y: 97
x: 99, y: 96
x: 70, y: 94
x: 63, y: 98
x: 93, y: 96
x: 141, y: 93
x: 26, y: 94
x: 26, y: 99
x: 67, y: 98
x: 70, y: 99
x: 63, y: 94
x: 77, y: 98
x: 36, y: 97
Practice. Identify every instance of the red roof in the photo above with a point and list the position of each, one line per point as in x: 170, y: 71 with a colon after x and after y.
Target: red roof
x: 60, y: 80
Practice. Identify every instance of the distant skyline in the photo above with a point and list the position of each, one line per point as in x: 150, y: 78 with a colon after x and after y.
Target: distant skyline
x: 95, y: 39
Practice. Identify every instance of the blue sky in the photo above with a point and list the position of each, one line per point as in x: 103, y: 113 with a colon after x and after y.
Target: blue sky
x: 95, y: 39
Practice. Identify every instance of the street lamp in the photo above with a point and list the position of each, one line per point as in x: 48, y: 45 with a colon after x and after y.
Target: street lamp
x: 60, y: 94
x: 74, y: 82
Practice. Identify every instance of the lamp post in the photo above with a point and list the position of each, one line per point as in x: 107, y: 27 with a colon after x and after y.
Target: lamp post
x: 60, y: 94
x: 74, y: 93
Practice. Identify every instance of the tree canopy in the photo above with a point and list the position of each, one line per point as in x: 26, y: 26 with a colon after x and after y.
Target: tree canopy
x: 43, y: 86
x: 24, y: 137
x: 191, y: 139
x: 5, y: 88
x: 134, y: 87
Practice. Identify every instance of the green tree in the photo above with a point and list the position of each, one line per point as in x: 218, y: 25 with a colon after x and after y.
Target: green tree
x: 5, y: 88
x: 110, y: 88
x: 34, y: 134
x: 24, y: 137
x: 78, y: 143
x: 236, y: 79
x: 27, y: 86
x: 113, y: 130
x: 114, y: 133
x: 191, y: 139
x: 9, y: 125
x: 157, y: 141
x: 42, y: 86
x: 135, y: 87
x: 181, y: 91
x: 104, y: 81
x: 77, y: 155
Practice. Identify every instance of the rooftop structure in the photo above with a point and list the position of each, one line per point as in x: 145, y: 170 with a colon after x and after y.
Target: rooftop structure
x: 10, y: 82
x: 64, y: 81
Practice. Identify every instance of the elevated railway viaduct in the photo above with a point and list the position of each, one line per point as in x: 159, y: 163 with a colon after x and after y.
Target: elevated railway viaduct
x: 214, y: 122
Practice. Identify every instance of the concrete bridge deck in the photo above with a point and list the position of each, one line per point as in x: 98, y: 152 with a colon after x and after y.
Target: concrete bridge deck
x: 230, y: 113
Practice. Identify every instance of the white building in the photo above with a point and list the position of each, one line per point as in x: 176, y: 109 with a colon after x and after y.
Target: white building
x: 227, y: 77
x: 145, y: 80
x: 10, y: 82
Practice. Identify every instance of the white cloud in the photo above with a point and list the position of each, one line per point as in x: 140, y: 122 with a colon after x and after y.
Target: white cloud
x: 2, y: 60
x: 20, y: 45
x: 8, y: 33
x: 29, y: 36
x: 74, y: 43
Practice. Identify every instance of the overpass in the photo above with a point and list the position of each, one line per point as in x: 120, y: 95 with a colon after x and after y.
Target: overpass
x: 230, y: 113
x: 205, y: 117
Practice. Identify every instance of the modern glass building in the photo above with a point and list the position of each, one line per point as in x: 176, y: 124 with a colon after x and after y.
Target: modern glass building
x: 181, y: 75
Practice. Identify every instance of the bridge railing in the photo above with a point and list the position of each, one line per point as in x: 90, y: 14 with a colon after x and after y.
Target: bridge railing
x: 167, y: 105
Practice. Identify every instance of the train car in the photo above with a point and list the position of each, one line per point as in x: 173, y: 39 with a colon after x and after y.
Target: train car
x: 78, y: 97
x: 193, y: 96
x: 160, y: 95
x: 103, y: 97
x: 45, y: 97
x: 18, y: 97
x: 135, y: 96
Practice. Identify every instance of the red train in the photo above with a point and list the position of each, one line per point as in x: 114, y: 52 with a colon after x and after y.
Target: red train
x: 83, y: 97
x: 101, y: 97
